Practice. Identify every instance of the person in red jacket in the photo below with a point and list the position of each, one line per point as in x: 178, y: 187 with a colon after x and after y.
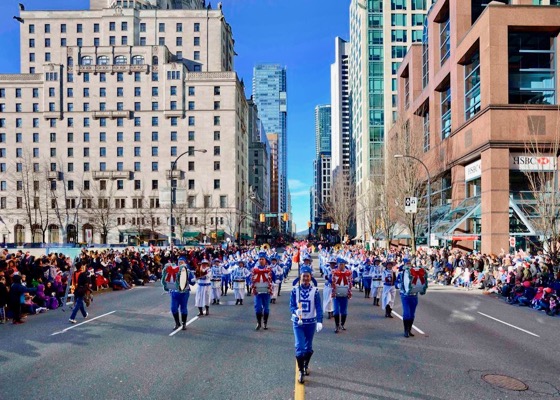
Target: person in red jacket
x: 341, y: 293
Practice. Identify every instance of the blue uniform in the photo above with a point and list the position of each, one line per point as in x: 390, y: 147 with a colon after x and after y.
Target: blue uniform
x: 312, y: 312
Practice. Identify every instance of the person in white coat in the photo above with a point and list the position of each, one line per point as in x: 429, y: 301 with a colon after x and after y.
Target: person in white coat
x: 239, y: 276
x: 389, y: 292
x: 327, y: 288
x: 203, y: 274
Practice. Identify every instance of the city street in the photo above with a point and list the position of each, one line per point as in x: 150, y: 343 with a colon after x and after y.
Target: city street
x: 125, y: 351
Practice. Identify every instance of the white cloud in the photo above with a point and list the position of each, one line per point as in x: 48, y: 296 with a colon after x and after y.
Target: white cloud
x: 299, y: 193
x: 296, y: 184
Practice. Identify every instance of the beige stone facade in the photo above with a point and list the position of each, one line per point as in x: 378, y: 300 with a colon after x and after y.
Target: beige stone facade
x: 107, y: 99
x: 477, y: 141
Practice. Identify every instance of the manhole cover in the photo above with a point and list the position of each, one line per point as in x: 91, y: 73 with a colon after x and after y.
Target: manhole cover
x: 505, y: 382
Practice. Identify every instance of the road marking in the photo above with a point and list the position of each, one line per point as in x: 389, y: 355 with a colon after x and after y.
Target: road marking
x: 181, y: 328
x: 413, y: 326
x: 299, y: 389
x: 82, y: 323
x: 510, y: 325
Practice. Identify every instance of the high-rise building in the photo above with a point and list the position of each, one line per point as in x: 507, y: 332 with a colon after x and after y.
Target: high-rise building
x: 322, y: 129
x: 481, y: 97
x: 270, y: 95
x: 259, y: 163
x: 274, y: 197
x: 380, y: 33
x: 106, y: 100
x: 322, y: 163
x: 340, y: 111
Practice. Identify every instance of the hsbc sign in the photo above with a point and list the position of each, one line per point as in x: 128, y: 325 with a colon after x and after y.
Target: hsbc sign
x: 529, y: 162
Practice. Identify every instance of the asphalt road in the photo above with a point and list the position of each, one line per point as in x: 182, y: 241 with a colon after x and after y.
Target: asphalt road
x: 127, y: 353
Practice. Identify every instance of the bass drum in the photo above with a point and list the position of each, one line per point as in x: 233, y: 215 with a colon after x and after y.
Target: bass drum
x: 183, y: 279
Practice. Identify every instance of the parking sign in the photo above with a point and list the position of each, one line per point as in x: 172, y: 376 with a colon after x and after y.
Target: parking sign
x: 410, y: 205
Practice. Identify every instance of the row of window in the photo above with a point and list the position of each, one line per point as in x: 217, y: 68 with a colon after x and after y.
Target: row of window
x: 118, y: 185
x: 102, y: 137
x: 112, y: 27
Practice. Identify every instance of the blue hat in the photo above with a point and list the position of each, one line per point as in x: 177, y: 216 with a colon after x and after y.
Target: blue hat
x: 205, y: 261
x: 307, y: 257
x: 274, y: 257
x: 341, y: 260
x: 332, y: 260
x: 216, y: 260
x: 183, y: 258
x: 262, y: 254
x: 305, y: 270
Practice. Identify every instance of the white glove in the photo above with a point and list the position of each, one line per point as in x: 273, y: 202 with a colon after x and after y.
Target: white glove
x: 295, y: 317
x: 299, y: 313
x: 319, y: 327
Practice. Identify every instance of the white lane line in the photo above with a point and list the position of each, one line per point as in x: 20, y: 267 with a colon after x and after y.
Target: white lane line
x: 413, y: 326
x: 510, y: 325
x: 82, y: 323
x: 187, y: 324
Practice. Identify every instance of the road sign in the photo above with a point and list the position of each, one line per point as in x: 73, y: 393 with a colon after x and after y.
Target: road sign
x: 321, y: 223
x: 512, y: 241
x: 411, y: 205
x: 270, y: 215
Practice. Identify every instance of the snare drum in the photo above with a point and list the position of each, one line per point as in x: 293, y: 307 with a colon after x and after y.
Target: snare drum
x: 261, y: 287
x: 342, y: 291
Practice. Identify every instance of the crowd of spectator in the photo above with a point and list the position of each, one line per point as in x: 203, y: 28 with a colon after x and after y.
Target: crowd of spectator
x: 31, y: 285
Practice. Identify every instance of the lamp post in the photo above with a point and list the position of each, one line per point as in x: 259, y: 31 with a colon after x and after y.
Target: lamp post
x: 173, y: 193
x: 429, y: 193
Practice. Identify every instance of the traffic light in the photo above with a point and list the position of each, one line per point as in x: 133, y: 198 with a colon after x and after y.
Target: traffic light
x: 328, y: 225
x: 262, y: 218
x: 285, y: 217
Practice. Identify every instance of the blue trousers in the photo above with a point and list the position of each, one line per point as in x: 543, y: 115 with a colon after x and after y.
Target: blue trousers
x: 409, y: 304
x: 340, y: 306
x: 262, y: 303
x: 179, y: 300
x: 367, y: 283
x: 304, y: 338
x: 78, y: 305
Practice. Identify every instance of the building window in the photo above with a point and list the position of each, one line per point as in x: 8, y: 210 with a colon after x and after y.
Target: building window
x: 216, y: 135
x: 398, y: 4
x: 191, y: 121
x: 426, y: 130
x: 191, y: 136
x: 472, y: 86
x: 196, y: 41
x: 161, y: 27
x: 217, y: 90
x: 191, y: 91
x: 216, y: 165
x: 196, y: 27
x: 444, y: 40
x: 216, y: 121
x: 216, y: 150
x: 173, y: 136
x: 445, y: 107
x: 532, y: 74
x: 216, y: 184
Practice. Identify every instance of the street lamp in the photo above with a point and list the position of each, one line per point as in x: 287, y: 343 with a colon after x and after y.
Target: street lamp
x: 174, y: 191
x: 429, y: 193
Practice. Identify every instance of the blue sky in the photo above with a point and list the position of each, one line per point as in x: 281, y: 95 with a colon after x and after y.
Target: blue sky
x: 297, y: 34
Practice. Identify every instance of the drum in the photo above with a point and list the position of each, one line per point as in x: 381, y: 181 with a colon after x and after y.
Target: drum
x: 183, y: 279
x: 261, y: 287
x: 342, y: 291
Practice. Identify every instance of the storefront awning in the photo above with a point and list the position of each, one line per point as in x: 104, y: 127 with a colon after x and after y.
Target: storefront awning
x: 190, y: 235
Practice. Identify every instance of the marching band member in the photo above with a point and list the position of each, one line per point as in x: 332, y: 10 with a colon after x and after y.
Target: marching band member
x: 261, y: 279
x: 388, y: 298
x: 226, y: 278
x: 341, y: 293
x: 366, y: 278
x: 216, y: 281
x: 202, y: 298
x: 179, y: 297
x: 327, y: 288
x: 307, y: 260
x: 376, y: 284
x: 277, y: 274
x: 239, y: 275
x: 307, y: 318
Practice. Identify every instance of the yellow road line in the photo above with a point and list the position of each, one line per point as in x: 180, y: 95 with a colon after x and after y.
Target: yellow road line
x: 299, y: 389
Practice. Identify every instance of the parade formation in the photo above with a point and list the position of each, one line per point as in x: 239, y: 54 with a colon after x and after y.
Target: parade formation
x: 260, y: 273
